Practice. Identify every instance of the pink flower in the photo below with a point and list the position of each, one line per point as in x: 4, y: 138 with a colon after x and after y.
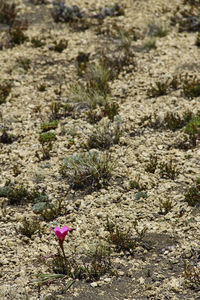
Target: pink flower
x: 61, y: 232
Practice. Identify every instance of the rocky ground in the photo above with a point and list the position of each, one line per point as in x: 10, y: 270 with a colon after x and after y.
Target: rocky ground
x: 135, y: 232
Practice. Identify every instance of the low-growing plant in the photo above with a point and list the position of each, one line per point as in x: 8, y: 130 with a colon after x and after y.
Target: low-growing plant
x: 191, y: 87
x: 113, y: 10
x: 159, y: 89
x: 5, y: 89
x: 192, y: 128
x: 29, y: 227
x: 78, y: 93
x: 82, y: 61
x: 55, y: 108
x: 64, y: 13
x: 136, y: 184
x: 37, y: 42
x: 24, y: 63
x: 192, y: 272
x: 192, y: 195
x: 122, y: 239
x: 187, y: 19
x: 197, y: 40
x: 16, y: 34
x: 168, y: 170
x: 16, y: 194
x: 46, y: 140
x: 7, y: 138
x: 41, y: 87
x: 103, y: 137
x: 152, y: 165
x: 157, y: 29
x: 8, y: 12
x: 149, y: 44
x: 90, y: 170
x: 110, y: 110
x: 59, y: 46
x: 48, y: 126
x: 98, y: 76
x: 165, y: 206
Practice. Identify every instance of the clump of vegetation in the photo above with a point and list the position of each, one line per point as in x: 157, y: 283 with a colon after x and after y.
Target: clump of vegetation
x: 192, y: 195
x: 46, y: 140
x: 78, y: 93
x: 7, y: 138
x: 187, y: 19
x: 8, y: 12
x: 191, y: 86
x: 136, y: 184
x: 46, y: 209
x: 38, y: 2
x: 114, y: 10
x: 152, y: 165
x: 192, y: 128
x: 192, y: 270
x: 103, y: 137
x: 29, y: 227
x: 59, y: 46
x: 37, y: 42
x: 41, y: 87
x: 161, y: 88
x: 24, y: 63
x: 165, y: 206
x: 123, y: 239
x: 174, y: 121
x: 110, y: 110
x: 16, y: 194
x: 5, y: 89
x: 197, y: 40
x: 168, y: 170
x: 91, y: 267
x: 149, y: 44
x: 16, y: 34
x: 82, y: 61
x: 64, y: 13
x: 157, y: 29
x: 48, y: 126
x: 87, y: 170
x: 98, y: 76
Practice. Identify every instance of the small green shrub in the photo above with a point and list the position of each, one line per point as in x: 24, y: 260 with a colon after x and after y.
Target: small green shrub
x: 160, y: 89
x: 191, y: 87
x: 152, y: 165
x: 168, y: 170
x: 192, y: 128
x: 165, y: 206
x: 192, y: 195
x: 46, y: 140
x: 48, y: 126
x: 90, y: 170
x: 110, y: 110
x: 135, y: 184
x: 29, y: 227
x: 103, y: 137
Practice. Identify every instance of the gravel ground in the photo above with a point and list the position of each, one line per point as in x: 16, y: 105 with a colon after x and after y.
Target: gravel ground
x: 168, y: 251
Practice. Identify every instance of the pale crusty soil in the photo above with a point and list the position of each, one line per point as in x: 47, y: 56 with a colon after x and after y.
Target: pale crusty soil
x: 154, y: 273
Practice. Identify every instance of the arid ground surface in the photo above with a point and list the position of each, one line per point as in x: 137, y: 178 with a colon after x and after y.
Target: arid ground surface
x: 154, y: 161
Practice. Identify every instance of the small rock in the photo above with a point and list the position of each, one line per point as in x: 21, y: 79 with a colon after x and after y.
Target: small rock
x: 93, y: 284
